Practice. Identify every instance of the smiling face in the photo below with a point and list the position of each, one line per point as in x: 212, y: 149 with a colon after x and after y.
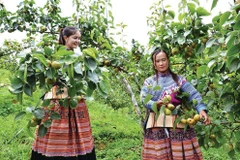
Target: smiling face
x: 160, y: 62
x: 72, y: 41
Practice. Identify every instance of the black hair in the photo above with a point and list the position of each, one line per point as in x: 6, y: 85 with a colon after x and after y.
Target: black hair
x: 153, y: 57
x: 67, y: 31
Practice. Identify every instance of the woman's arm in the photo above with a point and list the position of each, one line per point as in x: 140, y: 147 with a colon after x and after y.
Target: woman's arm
x: 194, y: 94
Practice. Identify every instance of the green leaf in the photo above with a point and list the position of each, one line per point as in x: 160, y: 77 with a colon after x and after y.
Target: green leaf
x: 78, y: 68
x: 70, y: 71
x: 200, y: 49
x: 55, y: 115
x: 234, y: 50
x: 27, y: 90
x: 214, y: 3
x: 50, y: 73
x: 202, y: 70
x: 46, y: 102
x: 39, y: 113
x: 237, y: 23
x: 210, y: 42
x: 47, y: 51
x: 211, y: 63
x: 234, y: 64
x: 202, y: 12
x: 41, y: 58
x: 41, y: 80
x: 181, y: 16
x: 19, y: 115
x: 89, y: 92
x: 224, y: 17
x: 92, y: 75
x: 79, y: 85
x: 191, y: 7
x: 105, y: 86
x: 69, y: 60
x: 170, y: 33
x: 156, y: 88
x: 72, y: 91
x: 187, y: 33
x: 90, y: 52
x: 15, y: 91
x: 91, y: 87
x: 171, y: 14
x: 42, y: 130
x: 195, y: 102
x: 62, y: 52
x: 162, y: 108
x: 185, y: 94
x: 47, y: 123
x: 102, y: 93
x: 231, y: 38
x: 16, y: 83
x: 91, y: 63
x: 181, y: 39
x: 154, y: 108
x: 66, y: 103
x: 147, y: 98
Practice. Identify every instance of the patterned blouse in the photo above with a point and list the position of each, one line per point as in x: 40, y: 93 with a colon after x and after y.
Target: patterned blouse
x: 169, y: 87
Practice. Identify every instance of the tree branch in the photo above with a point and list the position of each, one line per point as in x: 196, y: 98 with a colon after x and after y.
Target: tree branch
x: 129, y: 89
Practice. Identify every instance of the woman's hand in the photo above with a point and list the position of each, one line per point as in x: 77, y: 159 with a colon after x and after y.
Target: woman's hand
x: 204, y: 115
x: 159, y: 104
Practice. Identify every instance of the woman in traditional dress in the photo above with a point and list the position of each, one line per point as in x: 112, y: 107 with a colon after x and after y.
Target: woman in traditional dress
x: 69, y: 138
x: 165, y: 143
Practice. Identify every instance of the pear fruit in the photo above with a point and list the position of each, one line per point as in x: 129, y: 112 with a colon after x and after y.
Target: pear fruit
x: 170, y: 106
x: 167, y: 98
x: 196, y: 117
x: 183, y: 120
x: 56, y: 65
x: 190, y: 121
x: 167, y: 111
x: 175, y: 50
x: 50, y: 80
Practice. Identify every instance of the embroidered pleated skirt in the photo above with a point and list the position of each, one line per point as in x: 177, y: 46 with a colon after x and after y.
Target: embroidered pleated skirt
x: 169, y: 144
x: 67, y: 138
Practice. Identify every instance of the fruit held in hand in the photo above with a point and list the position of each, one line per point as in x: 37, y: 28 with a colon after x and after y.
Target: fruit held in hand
x: 190, y: 121
x: 170, y: 106
x: 183, y: 120
x: 167, y: 98
x: 167, y: 111
x: 196, y: 117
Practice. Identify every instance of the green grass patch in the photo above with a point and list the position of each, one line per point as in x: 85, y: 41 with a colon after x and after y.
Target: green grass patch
x: 15, y: 143
x: 117, y: 134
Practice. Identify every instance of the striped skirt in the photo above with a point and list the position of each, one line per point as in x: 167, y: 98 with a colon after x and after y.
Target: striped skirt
x: 69, y: 136
x: 167, y: 144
